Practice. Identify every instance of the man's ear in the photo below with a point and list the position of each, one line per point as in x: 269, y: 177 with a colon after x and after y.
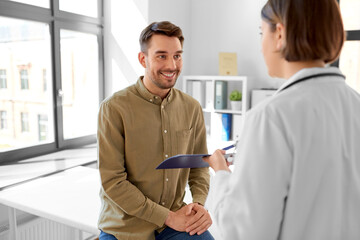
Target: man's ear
x: 141, y: 57
x: 280, y: 37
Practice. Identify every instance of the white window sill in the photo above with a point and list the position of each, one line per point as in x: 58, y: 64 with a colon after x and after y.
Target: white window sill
x: 25, y: 170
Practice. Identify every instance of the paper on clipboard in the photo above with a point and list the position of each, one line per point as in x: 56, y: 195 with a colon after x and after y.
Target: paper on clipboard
x: 184, y: 161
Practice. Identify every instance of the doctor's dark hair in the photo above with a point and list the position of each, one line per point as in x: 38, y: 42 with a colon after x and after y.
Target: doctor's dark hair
x: 162, y: 28
x: 313, y: 28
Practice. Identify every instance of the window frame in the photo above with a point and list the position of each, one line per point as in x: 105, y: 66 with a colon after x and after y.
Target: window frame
x: 56, y: 20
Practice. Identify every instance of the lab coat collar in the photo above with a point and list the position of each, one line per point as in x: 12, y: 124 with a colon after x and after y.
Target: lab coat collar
x: 306, y: 72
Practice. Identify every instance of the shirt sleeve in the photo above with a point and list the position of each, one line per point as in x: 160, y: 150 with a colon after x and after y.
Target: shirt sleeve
x: 113, y: 173
x: 199, y: 178
x: 249, y: 203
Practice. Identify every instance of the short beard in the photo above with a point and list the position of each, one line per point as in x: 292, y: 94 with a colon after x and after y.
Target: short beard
x: 161, y: 86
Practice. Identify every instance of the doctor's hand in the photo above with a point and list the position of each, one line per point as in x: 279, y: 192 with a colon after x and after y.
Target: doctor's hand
x: 217, y: 161
x: 200, y: 222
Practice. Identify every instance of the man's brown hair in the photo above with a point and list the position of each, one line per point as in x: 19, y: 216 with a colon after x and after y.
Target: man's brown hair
x: 163, y: 28
x: 314, y: 29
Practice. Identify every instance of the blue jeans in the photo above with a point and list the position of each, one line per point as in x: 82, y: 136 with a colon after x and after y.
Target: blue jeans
x: 171, y: 234
x: 106, y: 236
x: 167, y: 234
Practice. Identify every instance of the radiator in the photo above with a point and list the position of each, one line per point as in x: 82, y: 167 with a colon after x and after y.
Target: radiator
x: 41, y: 229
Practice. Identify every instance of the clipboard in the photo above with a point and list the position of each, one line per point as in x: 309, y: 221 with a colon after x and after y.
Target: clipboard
x: 184, y: 161
x: 190, y: 160
x: 187, y: 161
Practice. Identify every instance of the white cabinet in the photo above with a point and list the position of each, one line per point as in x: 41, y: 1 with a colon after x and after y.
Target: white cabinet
x: 210, y: 91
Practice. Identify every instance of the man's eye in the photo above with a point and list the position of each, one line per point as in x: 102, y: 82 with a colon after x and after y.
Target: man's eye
x: 161, y: 56
x: 177, y: 56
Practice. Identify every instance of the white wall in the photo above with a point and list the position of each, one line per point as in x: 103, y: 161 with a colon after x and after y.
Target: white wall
x: 209, y: 27
x: 124, y: 20
x: 228, y: 26
x: 179, y: 13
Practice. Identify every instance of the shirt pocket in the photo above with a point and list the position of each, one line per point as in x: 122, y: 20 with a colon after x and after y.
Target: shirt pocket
x: 185, y: 140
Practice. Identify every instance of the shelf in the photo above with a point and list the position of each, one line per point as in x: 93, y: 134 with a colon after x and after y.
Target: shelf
x: 214, y: 78
x: 208, y: 110
x: 227, y: 111
x: 206, y: 89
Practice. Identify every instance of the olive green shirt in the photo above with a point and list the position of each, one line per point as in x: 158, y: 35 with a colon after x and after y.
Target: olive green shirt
x: 136, y: 132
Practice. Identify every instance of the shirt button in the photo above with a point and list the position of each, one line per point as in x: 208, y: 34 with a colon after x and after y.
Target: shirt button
x: 150, y: 100
x: 167, y: 179
x: 162, y: 106
x: 165, y: 131
x: 166, y: 155
x: 163, y: 203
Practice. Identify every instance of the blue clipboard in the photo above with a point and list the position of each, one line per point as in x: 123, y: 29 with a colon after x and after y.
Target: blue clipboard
x: 184, y: 161
x: 190, y: 160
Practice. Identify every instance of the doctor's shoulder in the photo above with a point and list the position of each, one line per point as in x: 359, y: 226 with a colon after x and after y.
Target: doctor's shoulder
x: 275, y: 106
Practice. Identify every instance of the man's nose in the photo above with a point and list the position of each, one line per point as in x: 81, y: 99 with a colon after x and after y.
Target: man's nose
x: 171, y: 63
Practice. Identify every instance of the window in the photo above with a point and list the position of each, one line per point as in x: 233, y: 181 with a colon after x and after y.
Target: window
x: 43, y: 127
x: 44, y: 78
x: 78, y: 8
x: 349, y: 61
x: 29, y: 43
x: 79, y: 56
x: 39, y: 3
x: 51, y: 59
x: 3, y: 120
x: 3, y: 80
x: 24, y: 79
x: 24, y: 122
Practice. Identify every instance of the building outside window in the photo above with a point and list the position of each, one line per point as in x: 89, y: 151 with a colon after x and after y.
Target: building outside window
x: 3, y: 79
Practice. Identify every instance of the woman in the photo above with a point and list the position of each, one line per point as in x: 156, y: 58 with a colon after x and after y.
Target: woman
x: 297, y: 168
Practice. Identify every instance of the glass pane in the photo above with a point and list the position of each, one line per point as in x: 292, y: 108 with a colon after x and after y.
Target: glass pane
x: 82, y: 7
x: 350, y: 10
x: 80, y: 83
x: 349, y: 63
x: 3, y: 78
x: 25, y: 53
x: 39, y: 3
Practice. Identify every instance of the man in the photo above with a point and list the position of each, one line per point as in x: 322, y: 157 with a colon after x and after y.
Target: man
x: 141, y: 126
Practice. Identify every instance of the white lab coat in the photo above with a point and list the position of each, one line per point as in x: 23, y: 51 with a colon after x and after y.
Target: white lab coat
x: 297, y: 167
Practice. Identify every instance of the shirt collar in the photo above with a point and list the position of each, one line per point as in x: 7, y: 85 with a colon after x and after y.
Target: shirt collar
x: 305, y: 72
x: 148, y: 96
